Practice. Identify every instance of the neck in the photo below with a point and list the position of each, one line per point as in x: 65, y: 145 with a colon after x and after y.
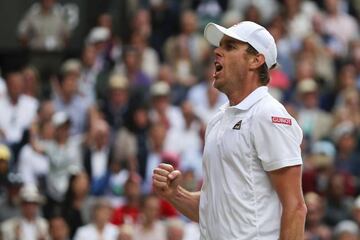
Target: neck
x: 237, y: 95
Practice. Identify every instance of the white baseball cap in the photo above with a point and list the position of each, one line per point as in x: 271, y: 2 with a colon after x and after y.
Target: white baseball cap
x: 252, y: 33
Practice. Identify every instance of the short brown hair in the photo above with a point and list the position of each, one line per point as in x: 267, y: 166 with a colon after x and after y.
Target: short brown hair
x: 263, y: 69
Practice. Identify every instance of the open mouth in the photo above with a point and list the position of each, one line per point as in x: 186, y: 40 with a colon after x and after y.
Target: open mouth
x: 218, y: 67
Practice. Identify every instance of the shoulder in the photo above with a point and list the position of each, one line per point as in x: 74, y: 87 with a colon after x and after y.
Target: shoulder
x: 270, y: 115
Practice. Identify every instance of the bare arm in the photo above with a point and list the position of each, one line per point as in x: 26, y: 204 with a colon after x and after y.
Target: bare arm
x: 166, y: 184
x: 287, y: 183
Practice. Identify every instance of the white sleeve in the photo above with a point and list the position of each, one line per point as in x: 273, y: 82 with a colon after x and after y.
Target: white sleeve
x: 277, y: 138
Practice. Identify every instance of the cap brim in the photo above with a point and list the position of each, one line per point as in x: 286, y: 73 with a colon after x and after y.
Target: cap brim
x: 214, y: 33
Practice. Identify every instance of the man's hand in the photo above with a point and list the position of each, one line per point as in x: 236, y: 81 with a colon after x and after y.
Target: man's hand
x: 166, y: 181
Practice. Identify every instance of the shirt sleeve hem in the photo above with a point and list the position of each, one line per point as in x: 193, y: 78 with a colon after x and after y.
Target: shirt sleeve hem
x: 282, y: 164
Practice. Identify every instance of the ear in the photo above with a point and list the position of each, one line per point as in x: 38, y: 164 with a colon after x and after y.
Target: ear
x: 256, y: 61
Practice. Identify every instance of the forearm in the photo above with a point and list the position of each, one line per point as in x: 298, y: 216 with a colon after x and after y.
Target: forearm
x: 187, y: 203
x: 293, y: 223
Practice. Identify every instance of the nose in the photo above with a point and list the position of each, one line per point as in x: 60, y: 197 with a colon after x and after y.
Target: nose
x: 218, y: 52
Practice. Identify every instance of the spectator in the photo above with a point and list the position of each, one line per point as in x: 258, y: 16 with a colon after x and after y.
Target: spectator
x: 162, y: 111
x: 17, y: 110
x: 187, y: 51
x: 68, y: 100
x: 174, y: 229
x: 28, y: 225
x: 75, y: 206
x: 98, y: 37
x: 346, y: 230
x: 131, y: 68
x: 149, y: 57
x: 10, y: 199
x: 315, y: 122
x: 340, y: 25
x: 33, y: 165
x: 128, y: 213
x: 43, y: 27
x: 356, y: 210
x: 337, y: 203
x: 64, y: 158
x: 97, y: 158
x: 115, y: 106
x: 315, y: 226
x: 100, y: 227
x: 46, y: 33
x: 32, y: 86
x: 206, y: 99
x: 150, y: 227
x: 58, y: 229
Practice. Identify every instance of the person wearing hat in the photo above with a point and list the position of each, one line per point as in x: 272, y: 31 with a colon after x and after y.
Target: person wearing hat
x: 252, y: 158
x: 29, y: 225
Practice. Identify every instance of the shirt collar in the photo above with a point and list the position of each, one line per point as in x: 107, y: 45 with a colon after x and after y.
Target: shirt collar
x: 250, y: 100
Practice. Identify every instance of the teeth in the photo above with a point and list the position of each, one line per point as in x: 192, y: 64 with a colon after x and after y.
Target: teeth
x: 218, y: 66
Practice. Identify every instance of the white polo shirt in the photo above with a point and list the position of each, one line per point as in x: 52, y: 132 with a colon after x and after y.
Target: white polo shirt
x: 242, y: 143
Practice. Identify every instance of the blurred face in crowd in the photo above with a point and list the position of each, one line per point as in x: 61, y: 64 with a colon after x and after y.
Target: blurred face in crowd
x: 132, y: 60
x: 347, y: 236
x: 119, y: 96
x: 310, y: 99
x: 141, y: 118
x: 336, y: 186
x: 347, y: 76
x: 315, y: 210
x: 15, y: 85
x: 252, y: 14
x: 46, y: 111
x: 331, y: 6
x: 47, y: 131
x: 347, y: 143
x: 47, y: 4
x: 305, y: 68
x: 89, y: 55
x: 187, y: 111
x: 80, y: 185
x: 31, y: 81
x: 132, y: 190
x: 29, y: 210
x: 62, y: 133
x: 102, y: 214
x: 69, y: 84
x: 161, y: 103
x: 158, y: 134
x: 105, y: 20
x: 356, y: 214
x: 151, y: 209
x: 58, y: 229
x: 101, y: 134
x: 166, y: 74
x: 188, y: 22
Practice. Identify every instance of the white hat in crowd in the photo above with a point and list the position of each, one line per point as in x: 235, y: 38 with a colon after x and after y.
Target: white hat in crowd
x: 160, y: 88
x: 252, y: 33
x: 30, y: 193
x: 98, y: 34
x: 60, y: 118
x: 346, y: 226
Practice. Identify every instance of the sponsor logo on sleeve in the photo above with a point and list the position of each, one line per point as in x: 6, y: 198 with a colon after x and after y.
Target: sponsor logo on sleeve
x: 281, y: 120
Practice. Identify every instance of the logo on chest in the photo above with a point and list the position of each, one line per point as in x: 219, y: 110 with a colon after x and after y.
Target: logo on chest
x: 237, y: 126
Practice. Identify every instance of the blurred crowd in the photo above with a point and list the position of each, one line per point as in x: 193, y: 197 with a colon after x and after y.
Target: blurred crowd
x: 81, y: 136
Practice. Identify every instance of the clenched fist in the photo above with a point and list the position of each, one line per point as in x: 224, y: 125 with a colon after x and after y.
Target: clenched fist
x: 166, y: 180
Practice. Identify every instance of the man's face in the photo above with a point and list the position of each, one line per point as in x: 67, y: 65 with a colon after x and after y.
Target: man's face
x: 231, y: 64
